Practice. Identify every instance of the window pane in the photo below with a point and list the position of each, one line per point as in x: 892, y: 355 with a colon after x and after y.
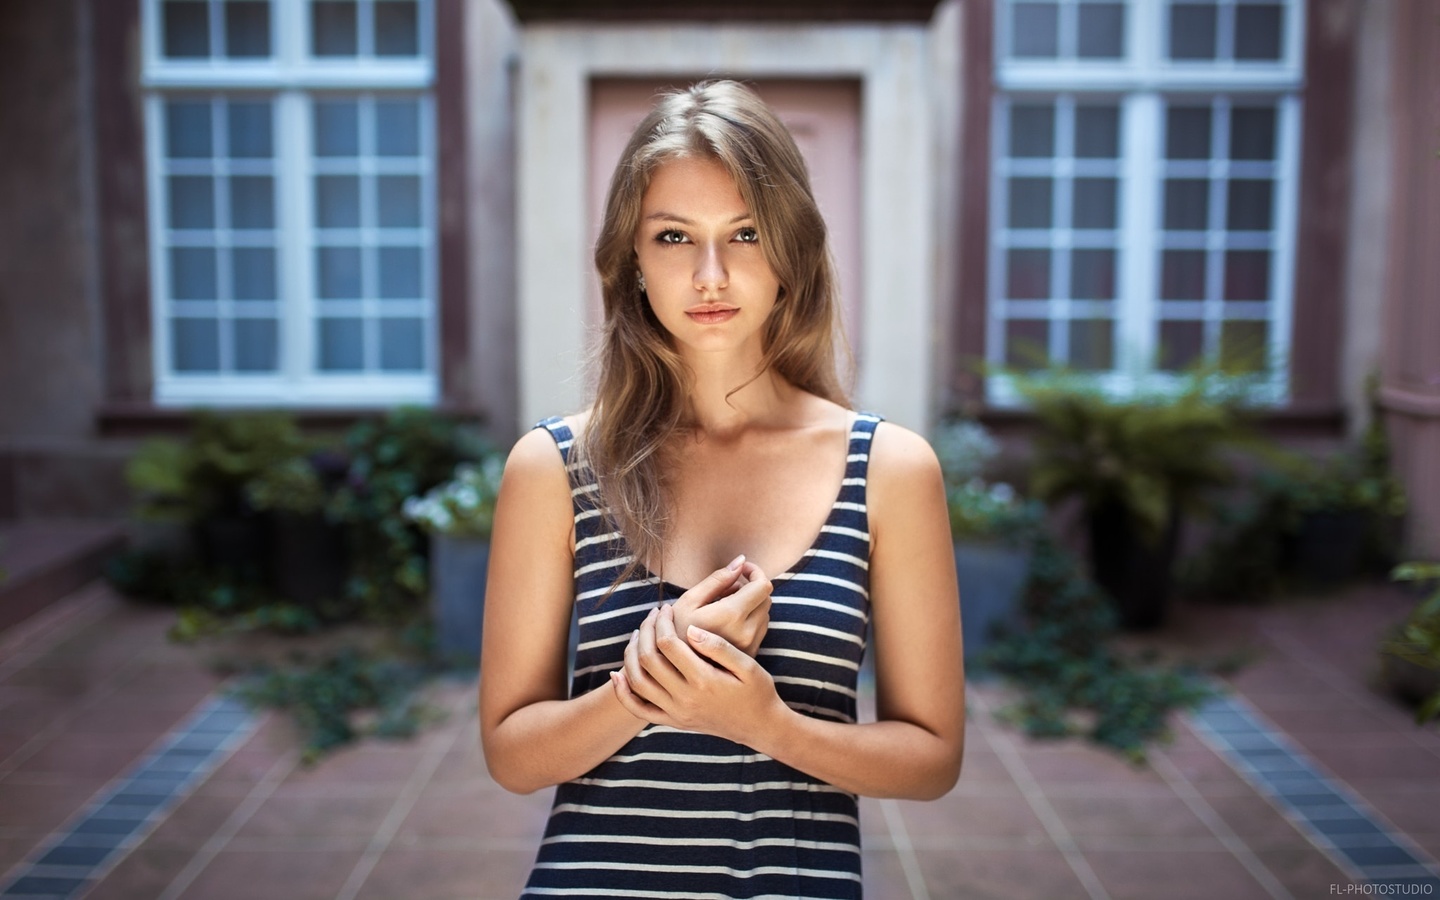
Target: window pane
x: 1030, y: 202
x: 1244, y: 346
x: 1027, y: 274
x: 192, y: 201
x: 337, y: 201
x: 400, y: 273
x: 192, y: 273
x: 338, y: 269
x: 252, y: 201
x: 195, y: 345
x: 1097, y: 132
x: 1187, y: 132
x: 1252, y: 133
x: 253, y: 273
x: 1092, y: 344
x: 187, y: 129
x: 1102, y: 31
x: 337, y: 128
x: 1247, y: 275
x: 1249, y: 205
x: 247, y: 28
x: 1095, y: 202
x: 1032, y: 131
x: 402, y: 345
x: 397, y: 28
x: 1027, y: 343
x: 399, y: 201
x: 397, y: 126
x: 342, y: 347
x: 1035, y: 30
x: 1182, y: 275
x: 1092, y: 274
x: 187, y: 28
x: 1257, y: 31
x: 250, y: 129
x: 256, y: 345
x: 1192, y: 32
x: 1187, y: 204
x: 1181, y: 344
x: 333, y: 28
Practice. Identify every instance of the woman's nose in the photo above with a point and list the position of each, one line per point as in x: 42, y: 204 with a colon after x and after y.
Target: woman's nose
x: 710, y: 273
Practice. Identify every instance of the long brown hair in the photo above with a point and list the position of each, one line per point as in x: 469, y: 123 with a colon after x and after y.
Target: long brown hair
x: 640, y: 392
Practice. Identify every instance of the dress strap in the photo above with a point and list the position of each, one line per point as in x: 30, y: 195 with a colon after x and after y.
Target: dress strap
x: 561, y: 433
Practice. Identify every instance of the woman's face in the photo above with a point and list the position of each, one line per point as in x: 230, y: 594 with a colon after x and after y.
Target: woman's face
x: 706, y: 276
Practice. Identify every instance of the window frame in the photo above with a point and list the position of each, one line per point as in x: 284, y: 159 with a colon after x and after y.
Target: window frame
x: 1142, y: 83
x: 292, y: 79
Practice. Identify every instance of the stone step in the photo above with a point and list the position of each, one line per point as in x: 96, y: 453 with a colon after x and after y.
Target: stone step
x: 43, y: 561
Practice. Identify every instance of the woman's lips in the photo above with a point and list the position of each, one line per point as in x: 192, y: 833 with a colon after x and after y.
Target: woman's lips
x: 712, y: 316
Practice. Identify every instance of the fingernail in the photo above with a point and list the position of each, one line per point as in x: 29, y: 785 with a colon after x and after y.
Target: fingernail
x: 695, y: 634
x: 736, y: 562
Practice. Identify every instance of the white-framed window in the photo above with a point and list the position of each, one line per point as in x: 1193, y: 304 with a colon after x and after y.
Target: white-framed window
x: 291, y: 173
x: 1145, y: 160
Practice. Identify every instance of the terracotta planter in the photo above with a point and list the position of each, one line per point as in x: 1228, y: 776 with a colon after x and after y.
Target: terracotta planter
x: 992, y: 580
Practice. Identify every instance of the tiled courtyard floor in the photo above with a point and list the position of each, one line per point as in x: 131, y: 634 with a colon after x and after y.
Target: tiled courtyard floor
x: 89, y: 686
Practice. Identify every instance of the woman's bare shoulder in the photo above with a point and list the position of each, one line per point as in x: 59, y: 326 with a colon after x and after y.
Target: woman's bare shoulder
x: 903, y: 472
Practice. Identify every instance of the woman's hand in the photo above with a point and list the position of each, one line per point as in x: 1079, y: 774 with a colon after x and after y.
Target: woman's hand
x: 713, y: 688
x: 733, y: 602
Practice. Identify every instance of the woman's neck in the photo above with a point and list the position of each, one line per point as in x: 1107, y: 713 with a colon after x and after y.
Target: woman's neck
x: 724, y: 399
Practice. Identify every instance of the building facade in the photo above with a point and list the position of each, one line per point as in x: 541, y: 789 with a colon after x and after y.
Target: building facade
x: 336, y: 206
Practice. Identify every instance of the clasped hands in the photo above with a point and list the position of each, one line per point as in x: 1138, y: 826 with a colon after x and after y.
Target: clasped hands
x: 691, y: 664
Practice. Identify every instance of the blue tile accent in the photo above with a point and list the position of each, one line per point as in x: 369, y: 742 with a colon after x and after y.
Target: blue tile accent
x: 125, y: 811
x: 1337, y: 821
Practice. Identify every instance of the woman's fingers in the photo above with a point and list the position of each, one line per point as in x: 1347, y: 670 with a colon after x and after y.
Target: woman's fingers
x: 652, y: 660
x: 714, y: 586
x: 633, y: 703
x: 721, y: 652
x: 639, y: 679
x: 675, y: 650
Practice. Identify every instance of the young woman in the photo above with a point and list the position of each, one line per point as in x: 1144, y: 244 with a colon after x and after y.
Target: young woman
x: 732, y: 537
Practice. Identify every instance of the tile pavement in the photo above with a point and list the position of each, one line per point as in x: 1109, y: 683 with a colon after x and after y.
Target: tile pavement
x: 89, y: 687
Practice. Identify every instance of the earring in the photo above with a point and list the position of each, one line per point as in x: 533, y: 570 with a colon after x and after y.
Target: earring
x: 641, y: 282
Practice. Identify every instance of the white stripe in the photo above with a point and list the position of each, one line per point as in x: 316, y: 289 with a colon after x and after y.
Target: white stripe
x: 704, y: 870
x: 742, y: 787
x: 587, y: 514
x: 590, y: 488
x: 565, y: 444
x: 592, y: 810
x: 700, y: 842
x: 858, y: 457
x: 811, y: 657
x: 816, y: 683
x: 605, y: 642
x: 656, y: 895
x: 600, y: 592
x: 848, y: 532
x: 851, y: 482
x: 852, y: 507
x: 656, y: 756
x: 816, y: 629
x: 866, y: 417
x: 603, y: 564
x: 822, y: 711
x: 600, y: 667
x: 861, y: 435
x: 843, y: 557
x: 597, y: 539
x: 831, y: 579
x: 822, y: 604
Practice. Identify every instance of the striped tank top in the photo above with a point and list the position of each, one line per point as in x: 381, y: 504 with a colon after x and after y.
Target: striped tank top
x: 687, y: 815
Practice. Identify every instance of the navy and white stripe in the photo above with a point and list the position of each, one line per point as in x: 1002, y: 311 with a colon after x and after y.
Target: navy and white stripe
x: 682, y: 814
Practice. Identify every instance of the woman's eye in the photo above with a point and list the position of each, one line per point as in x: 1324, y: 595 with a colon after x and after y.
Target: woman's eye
x: 747, y: 236
x: 670, y: 236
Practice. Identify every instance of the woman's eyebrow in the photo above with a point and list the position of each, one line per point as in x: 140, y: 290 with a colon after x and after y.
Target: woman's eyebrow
x: 671, y: 217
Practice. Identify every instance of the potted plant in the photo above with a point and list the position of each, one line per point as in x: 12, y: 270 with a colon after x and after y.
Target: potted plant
x: 307, y: 547
x: 992, y: 528
x: 1338, y: 509
x: 1410, y: 657
x: 458, y: 515
x: 1134, y: 464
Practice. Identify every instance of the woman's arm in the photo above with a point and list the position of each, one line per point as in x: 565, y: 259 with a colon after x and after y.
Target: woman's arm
x: 914, y: 749
x: 532, y: 735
